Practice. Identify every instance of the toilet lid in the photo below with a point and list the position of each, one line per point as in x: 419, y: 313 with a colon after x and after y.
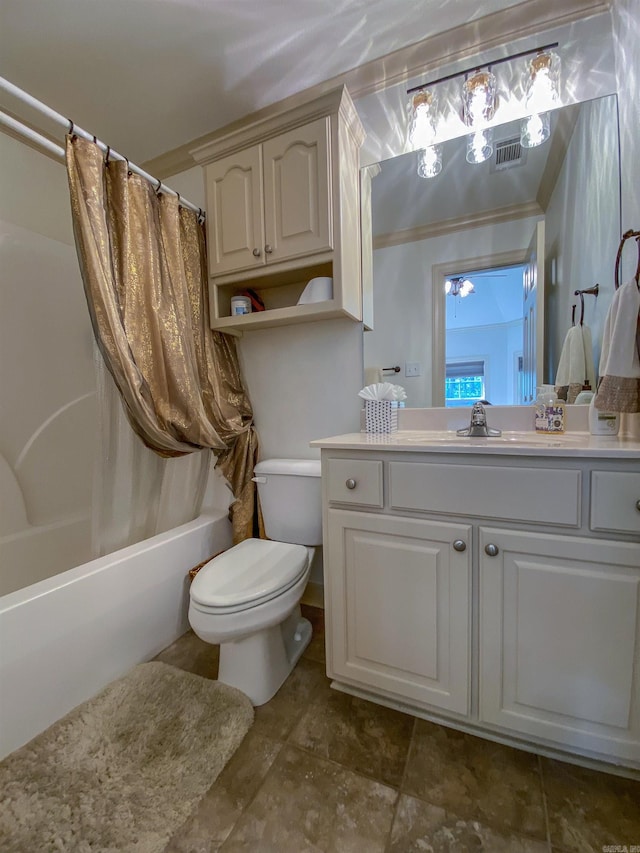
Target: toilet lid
x: 250, y: 572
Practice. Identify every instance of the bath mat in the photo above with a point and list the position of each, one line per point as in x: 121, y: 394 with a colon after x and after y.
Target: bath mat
x: 124, y: 770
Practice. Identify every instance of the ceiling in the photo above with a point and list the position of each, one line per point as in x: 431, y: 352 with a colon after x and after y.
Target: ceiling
x: 147, y: 76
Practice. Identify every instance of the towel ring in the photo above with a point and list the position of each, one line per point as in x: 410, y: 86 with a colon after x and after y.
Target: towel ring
x: 625, y: 237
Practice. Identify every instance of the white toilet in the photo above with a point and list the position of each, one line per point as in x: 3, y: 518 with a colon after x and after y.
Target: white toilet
x: 248, y: 598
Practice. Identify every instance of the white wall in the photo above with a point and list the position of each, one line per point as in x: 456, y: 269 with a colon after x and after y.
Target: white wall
x: 403, y: 295
x: 582, y: 227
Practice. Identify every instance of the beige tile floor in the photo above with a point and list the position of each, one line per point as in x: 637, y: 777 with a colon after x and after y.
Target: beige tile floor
x: 323, y: 771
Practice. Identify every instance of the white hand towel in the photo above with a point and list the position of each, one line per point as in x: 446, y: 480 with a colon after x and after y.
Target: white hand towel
x: 571, y: 367
x: 619, y: 386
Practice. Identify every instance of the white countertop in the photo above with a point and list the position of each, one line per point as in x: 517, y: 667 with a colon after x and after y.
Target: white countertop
x: 570, y: 444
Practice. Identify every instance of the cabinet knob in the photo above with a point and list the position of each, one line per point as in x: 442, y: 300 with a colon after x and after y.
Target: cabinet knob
x: 491, y: 550
x: 256, y: 253
x: 638, y: 505
x: 350, y: 483
x: 460, y: 545
x: 267, y: 249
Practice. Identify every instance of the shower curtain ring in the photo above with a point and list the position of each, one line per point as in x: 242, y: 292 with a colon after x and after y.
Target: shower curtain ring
x: 106, y: 156
x: 71, y: 129
x: 129, y: 172
x: 159, y: 186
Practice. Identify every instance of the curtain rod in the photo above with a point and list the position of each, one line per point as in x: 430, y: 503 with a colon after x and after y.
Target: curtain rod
x: 482, y: 65
x: 71, y: 127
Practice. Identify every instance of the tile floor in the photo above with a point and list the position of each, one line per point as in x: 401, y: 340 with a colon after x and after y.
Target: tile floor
x: 323, y: 771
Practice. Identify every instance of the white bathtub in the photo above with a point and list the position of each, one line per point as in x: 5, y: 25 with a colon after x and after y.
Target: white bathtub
x: 64, y: 638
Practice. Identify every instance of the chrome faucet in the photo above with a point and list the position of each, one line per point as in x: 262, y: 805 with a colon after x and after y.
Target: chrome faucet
x: 478, y: 425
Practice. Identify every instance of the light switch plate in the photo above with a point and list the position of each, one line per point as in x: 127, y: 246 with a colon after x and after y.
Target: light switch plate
x: 412, y: 368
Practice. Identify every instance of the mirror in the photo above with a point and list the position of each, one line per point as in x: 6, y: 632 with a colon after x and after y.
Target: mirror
x: 551, y: 212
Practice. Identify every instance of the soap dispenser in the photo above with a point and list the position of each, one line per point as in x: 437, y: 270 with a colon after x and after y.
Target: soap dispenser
x: 549, y: 411
x: 603, y: 423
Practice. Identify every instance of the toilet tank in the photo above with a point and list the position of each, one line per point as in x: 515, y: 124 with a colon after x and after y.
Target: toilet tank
x: 291, y: 499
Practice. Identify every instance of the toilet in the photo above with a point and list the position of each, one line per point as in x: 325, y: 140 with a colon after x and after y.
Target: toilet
x: 247, y: 599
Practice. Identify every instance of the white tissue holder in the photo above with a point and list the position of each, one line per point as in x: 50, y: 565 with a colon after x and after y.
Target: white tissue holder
x: 381, y: 415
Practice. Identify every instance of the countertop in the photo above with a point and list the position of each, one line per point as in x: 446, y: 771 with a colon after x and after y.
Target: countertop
x: 569, y: 444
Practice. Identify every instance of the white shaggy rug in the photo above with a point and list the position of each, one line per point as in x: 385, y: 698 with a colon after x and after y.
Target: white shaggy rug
x: 124, y: 770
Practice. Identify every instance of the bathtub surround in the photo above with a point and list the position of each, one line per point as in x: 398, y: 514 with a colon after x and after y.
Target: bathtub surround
x: 143, y: 262
x: 125, y: 769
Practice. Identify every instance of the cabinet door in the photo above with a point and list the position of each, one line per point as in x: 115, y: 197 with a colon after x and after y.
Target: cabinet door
x: 559, y: 639
x: 399, y: 607
x: 297, y: 190
x: 235, y: 212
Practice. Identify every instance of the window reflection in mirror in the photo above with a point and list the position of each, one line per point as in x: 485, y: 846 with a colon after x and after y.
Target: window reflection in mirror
x: 565, y: 194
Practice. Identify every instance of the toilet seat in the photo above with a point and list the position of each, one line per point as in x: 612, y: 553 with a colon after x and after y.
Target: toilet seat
x: 249, y: 574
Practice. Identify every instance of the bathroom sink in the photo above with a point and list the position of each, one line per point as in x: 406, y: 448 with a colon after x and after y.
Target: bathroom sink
x: 508, y: 438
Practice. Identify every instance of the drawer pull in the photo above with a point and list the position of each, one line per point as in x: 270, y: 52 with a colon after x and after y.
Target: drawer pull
x: 638, y: 505
x: 268, y: 250
x: 491, y: 550
x: 256, y: 253
x: 460, y: 545
x: 350, y: 483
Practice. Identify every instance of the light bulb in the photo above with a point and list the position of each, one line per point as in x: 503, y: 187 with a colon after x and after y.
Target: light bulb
x: 535, y: 130
x: 466, y: 288
x: 479, y: 98
x: 430, y: 163
x: 542, y: 82
x: 422, y: 126
x: 480, y: 146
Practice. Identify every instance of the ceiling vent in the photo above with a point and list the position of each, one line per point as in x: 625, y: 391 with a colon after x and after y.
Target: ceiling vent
x: 508, y: 154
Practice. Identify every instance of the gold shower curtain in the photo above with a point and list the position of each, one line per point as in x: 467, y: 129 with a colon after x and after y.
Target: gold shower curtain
x: 143, y: 263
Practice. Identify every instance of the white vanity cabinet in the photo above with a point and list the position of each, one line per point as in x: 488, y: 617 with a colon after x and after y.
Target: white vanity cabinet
x: 486, y: 591
x: 282, y: 208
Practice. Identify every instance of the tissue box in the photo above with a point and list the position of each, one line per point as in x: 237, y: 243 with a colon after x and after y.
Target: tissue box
x: 381, y: 415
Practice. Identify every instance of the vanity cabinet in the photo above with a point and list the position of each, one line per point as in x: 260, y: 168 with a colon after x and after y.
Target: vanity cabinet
x: 558, y: 639
x: 283, y: 208
x: 485, y: 592
x: 400, y: 606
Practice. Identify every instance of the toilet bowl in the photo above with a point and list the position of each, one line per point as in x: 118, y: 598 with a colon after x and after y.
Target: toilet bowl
x: 247, y: 599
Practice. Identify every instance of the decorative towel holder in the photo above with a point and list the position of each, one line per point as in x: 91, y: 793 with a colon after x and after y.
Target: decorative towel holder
x: 589, y: 291
x: 626, y: 236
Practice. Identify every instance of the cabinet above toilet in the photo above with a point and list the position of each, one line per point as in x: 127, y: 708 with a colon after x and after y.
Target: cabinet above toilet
x: 283, y: 208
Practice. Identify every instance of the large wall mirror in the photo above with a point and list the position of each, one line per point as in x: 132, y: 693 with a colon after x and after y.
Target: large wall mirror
x: 475, y: 270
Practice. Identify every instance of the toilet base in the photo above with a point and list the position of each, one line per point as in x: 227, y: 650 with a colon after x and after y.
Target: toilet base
x: 259, y: 664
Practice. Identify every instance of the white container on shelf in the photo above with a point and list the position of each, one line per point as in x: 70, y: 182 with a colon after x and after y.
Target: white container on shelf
x: 317, y: 290
x: 240, y: 305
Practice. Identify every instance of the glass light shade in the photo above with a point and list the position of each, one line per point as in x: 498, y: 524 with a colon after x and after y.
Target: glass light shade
x: 422, y: 119
x: 542, y: 82
x: 480, y: 146
x: 479, y: 98
x: 535, y: 130
x: 430, y: 163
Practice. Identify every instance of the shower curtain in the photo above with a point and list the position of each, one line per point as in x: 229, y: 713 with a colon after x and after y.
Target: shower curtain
x: 143, y: 263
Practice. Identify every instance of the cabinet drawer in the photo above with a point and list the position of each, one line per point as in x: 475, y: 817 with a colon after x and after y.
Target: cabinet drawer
x: 615, y: 501
x: 352, y: 481
x: 543, y: 495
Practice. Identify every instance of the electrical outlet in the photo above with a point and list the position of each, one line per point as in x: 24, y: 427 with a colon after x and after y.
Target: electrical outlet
x: 412, y: 368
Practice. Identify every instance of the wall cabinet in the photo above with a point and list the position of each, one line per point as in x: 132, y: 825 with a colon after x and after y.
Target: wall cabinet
x: 282, y: 208
x: 485, y: 591
x: 271, y: 202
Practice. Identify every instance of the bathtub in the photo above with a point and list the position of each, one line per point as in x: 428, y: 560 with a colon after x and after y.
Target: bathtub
x: 64, y: 638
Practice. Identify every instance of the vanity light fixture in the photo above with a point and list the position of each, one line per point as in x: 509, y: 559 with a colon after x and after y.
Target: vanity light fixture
x: 479, y: 106
x: 458, y: 286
